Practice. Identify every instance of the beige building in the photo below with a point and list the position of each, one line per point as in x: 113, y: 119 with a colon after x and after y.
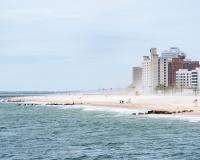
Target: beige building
x: 154, y: 67
x: 137, y: 77
x: 163, y: 71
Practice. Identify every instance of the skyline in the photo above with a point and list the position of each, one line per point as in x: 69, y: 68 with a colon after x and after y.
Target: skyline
x: 88, y: 45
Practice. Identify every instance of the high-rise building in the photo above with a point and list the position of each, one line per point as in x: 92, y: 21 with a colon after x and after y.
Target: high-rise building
x: 172, y: 52
x: 179, y: 63
x: 195, y: 78
x: 154, y: 67
x: 150, y: 71
x: 146, y: 73
x: 137, y: 77
x: 163, y: 71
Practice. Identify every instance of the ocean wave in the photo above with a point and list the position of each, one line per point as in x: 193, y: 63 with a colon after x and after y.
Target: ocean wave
x: 105, y: 109
x: 189, y: 118
x: 125, y: 111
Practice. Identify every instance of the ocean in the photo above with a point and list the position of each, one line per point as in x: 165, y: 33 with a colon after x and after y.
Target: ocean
x: 82, y: 133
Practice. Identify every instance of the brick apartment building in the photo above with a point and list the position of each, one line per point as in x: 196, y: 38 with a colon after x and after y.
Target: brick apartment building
x: 179, y: 63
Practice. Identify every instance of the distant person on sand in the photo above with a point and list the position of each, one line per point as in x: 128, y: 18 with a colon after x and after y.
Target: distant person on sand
x: 196, y: 102
x: 128, y: 101
x: 121, y: 101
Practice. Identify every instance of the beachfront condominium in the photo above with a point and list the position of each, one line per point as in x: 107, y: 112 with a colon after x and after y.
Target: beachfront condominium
x: 163, y: 71
x: 155, y: 71
x: 150, y: 71
x: 195, y: 78
x: 177, y: 60
x: 137, y: 77
x: 154, y: 67
x: 166, y: 57
x: 172, y: 52
x: 179, y: 63
x: 188, y: 79
x: 183, y: 78
x: 146, y: 73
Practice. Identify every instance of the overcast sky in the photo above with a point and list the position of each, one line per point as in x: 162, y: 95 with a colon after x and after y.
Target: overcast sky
x: 89, y: 44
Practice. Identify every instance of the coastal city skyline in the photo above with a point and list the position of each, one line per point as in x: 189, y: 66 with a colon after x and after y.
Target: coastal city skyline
x: 88, y: 45
x: 170, y: 69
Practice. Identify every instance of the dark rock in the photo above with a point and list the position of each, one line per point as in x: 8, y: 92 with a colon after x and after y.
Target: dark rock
x: 159, y: 112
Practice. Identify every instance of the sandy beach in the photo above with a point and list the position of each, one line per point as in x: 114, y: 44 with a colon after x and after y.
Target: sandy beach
x: 177, y: 104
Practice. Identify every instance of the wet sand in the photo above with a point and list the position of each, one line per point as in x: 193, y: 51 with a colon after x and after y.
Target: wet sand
x: 176, y: 104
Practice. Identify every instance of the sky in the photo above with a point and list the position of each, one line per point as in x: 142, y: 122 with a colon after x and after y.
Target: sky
x: 51, y: 45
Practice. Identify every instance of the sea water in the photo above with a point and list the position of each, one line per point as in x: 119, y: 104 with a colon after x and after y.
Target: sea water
x: 81, y: 133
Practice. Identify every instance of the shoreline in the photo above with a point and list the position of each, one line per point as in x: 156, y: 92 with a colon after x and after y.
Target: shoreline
x: 174, y: 105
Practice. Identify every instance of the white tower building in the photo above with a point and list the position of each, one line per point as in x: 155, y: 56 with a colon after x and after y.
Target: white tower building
x: 146, y: 73
x: 150, y: 71
x: 154, y: 68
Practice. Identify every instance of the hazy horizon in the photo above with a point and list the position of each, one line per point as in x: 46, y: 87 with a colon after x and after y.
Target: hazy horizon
x: 48, y: 45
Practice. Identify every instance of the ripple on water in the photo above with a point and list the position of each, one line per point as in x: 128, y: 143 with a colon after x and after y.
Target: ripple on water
x: 57, y: 133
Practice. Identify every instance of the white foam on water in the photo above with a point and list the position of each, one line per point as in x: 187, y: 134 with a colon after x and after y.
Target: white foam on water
x: 122, y: 111
x: 65, y: 106
x: 112, y: 109
x: 104, y: 109
x: 189, y: 118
